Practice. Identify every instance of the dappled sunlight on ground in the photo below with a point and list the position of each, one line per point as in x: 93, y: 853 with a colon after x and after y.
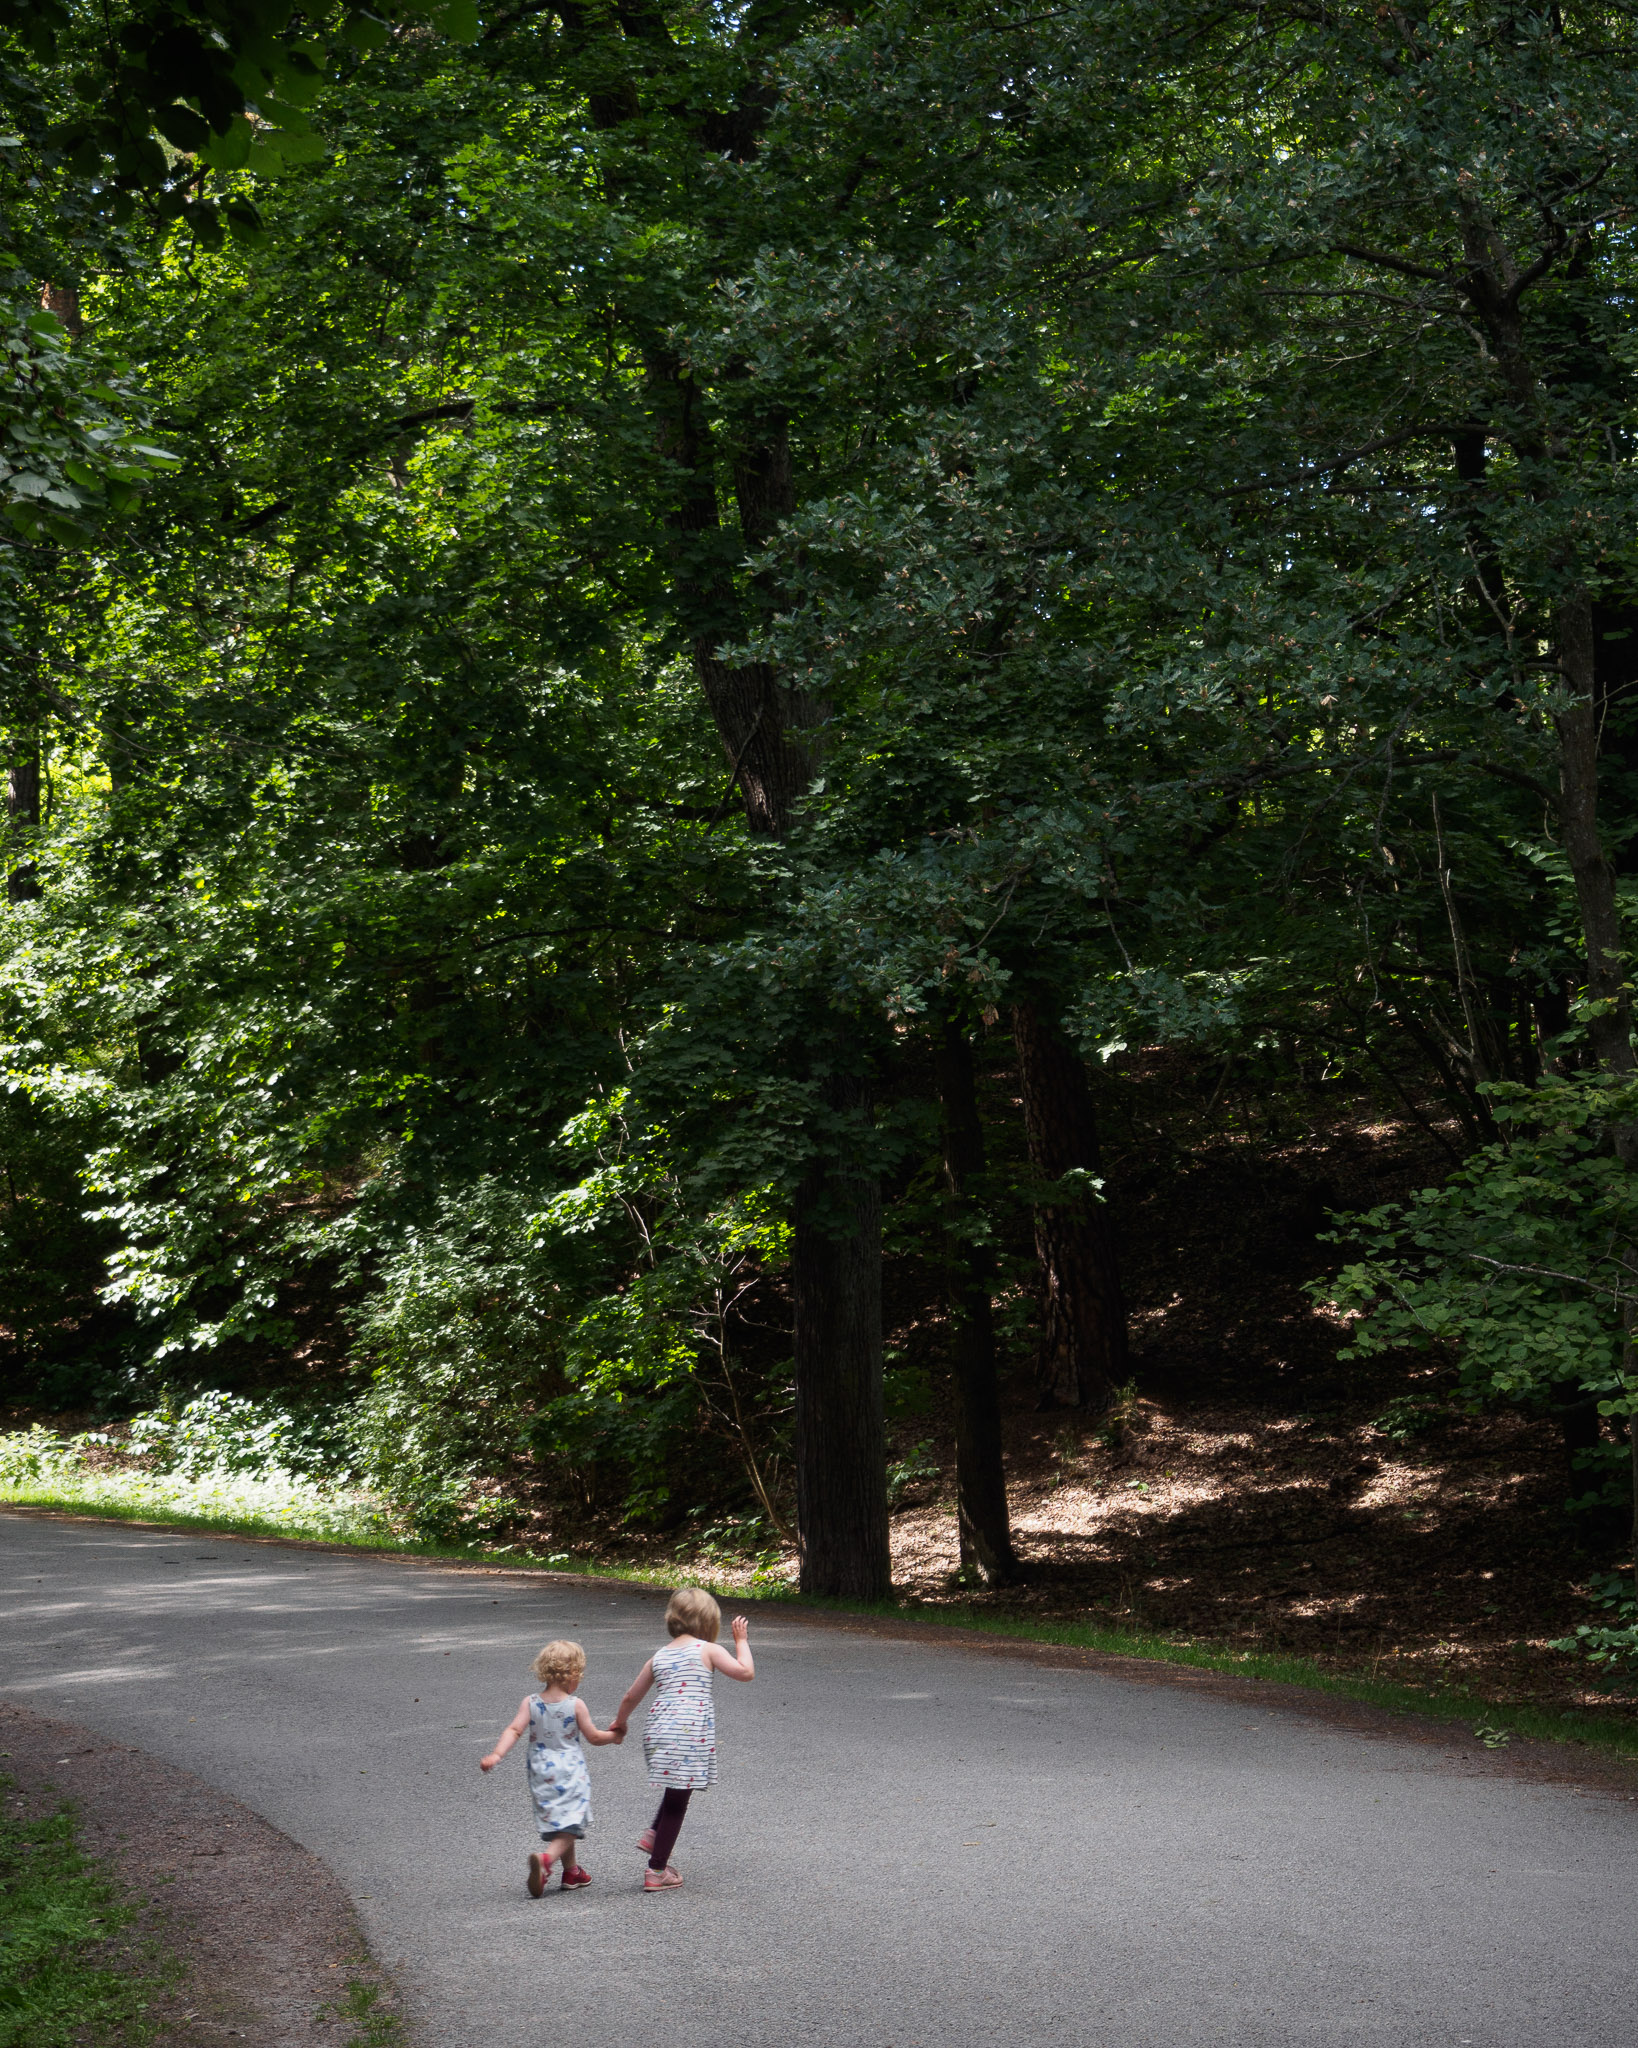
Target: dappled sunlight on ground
x: 1431, y: 1563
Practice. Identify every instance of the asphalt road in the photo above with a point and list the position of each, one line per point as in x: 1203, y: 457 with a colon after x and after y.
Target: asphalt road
x: 912, y: 1846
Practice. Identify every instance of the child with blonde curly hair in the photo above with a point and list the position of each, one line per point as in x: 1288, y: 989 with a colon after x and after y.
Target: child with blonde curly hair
x: 680, y: 1741
x: 555, y: 1719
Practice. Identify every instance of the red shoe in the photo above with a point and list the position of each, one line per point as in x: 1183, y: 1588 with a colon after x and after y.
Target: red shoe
x: 573, y: 1877
x: 645, y: 1841
x: 661, y: 1880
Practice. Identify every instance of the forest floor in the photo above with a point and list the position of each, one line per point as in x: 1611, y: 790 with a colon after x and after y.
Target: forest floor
x: 1255, y: 1493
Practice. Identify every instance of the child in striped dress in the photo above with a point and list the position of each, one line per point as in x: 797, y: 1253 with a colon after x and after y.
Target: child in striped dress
x: 680, y: 1741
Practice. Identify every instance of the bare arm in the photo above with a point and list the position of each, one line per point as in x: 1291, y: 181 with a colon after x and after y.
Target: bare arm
x: 518, y: 1725
x: 737, y: 1665
x: 589, y: 1728
x: 634, y: 1692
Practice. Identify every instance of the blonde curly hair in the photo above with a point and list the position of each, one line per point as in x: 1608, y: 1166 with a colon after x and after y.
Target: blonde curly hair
x: 561, y: 1664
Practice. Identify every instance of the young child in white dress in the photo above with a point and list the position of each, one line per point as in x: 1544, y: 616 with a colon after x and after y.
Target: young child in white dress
x: 555, y: 1720
x: 680, y: 1740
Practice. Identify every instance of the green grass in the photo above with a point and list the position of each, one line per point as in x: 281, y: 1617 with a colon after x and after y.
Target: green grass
x: 1598, y: 1728
x: 57, y: 1988
x: 361, y: 1528
x: 360, y: 2005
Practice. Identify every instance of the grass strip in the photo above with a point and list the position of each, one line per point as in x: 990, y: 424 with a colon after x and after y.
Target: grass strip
x: 59, y: 1985
x: 1493, y: 1721
x: 110, y: 1500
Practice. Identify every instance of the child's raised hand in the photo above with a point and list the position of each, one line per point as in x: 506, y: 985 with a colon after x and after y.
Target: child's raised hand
x: 736, y: 1663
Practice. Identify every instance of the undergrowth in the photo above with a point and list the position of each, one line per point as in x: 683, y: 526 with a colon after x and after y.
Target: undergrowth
x: 253, y: 1507
x: 59, y: 1985
x: 40, y: 1468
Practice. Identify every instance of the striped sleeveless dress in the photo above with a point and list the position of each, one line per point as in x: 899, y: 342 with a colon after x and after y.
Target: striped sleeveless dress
x: 680, y: 1738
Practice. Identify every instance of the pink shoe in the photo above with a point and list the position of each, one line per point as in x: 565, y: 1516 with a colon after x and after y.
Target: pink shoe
x: 645, y: 1841
x: 573, y: 1877
x: 661, y: 1880
x: 540, y: 1868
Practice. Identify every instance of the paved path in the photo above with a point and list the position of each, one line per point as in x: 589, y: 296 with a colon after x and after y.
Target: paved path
x: 913, y: 1846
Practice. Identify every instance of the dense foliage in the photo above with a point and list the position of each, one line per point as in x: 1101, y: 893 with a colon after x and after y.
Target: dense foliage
x: 678, y: 566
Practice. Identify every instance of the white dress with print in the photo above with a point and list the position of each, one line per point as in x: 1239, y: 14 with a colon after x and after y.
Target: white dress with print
x: 559, y: 1782
x: 680, y: 1740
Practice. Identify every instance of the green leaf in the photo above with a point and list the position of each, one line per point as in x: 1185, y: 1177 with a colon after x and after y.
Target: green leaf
x: 366, y: 31
x: 285, y: 115
x: 457, y: 19
x: 244, y: 222
x: 275, y: 151
x: 183, y: 128
x: 229, y: 151
x: 299, y: 77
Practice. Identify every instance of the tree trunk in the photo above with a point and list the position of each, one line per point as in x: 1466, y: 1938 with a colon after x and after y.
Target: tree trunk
x: 64, y: 301
x: 760, y: 722
x: 1481, y: 1050
x: 23, y: 819
x: 1494, y: 287
x: 981, y: 1482
x: 1609, y: 1020
x: 1083, y: 1354
x: 841, y: 1437
x: 767, y: 730
x: 1632, y: 1457
x: 1609, y: 1026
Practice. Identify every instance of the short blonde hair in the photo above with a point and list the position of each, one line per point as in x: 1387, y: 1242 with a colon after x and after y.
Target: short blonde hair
x: 561, y: 1664
x: 692, y: 1612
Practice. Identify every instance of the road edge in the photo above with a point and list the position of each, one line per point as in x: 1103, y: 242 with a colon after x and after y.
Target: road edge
x: 208, y: 1877
x: 1571, y: 1757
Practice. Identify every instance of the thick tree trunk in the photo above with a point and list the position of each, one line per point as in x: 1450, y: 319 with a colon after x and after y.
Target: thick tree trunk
x: 841, y: 1438
x: 767, y: 732
x: 981, y: 1482
x: 23, y: 820
x: 1083, y: 1355
x: 840, y: 1430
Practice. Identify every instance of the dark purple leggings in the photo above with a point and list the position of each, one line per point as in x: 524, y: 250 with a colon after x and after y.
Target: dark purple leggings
x: 667, y: 1826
